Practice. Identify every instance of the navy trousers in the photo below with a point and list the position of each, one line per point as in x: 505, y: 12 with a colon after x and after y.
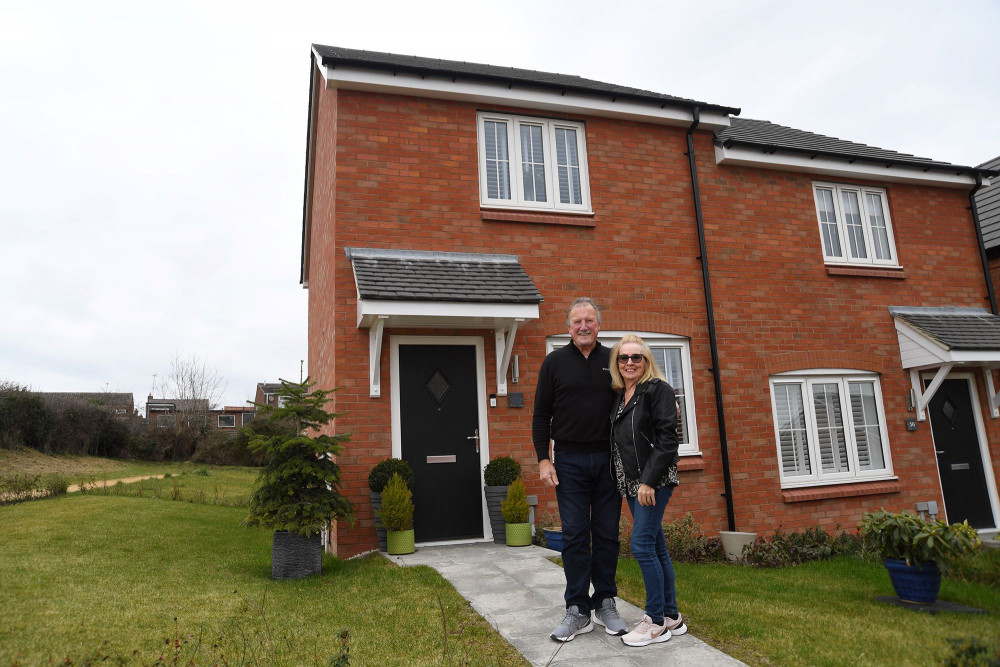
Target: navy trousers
x: 590, y: 508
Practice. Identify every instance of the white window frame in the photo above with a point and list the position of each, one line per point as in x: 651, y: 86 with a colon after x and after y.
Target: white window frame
x: 166, y: 420
x: 655, y: 340
x: 862, y: 192
x: 232, y: 417
x: 805, y: 379
x: 247, y: 418
x: 549, y: 127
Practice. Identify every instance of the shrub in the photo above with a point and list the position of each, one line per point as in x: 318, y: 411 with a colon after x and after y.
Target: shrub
x: 17, y: 487
x: 501, y: 471
x: 383, y: 470
x: 298, y: 489
x: 971, y: 652
x: 53, y: 484
x: 515, y: 506
x: 981, y: 567
x: 397, y: 505
x: 25, y: 420
x: 686, y: 542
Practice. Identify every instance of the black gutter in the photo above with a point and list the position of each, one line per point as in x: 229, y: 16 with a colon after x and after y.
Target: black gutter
x: 855, y: 157
x: 710, y: 311
x: 305, y: 180
x: 982, y: 245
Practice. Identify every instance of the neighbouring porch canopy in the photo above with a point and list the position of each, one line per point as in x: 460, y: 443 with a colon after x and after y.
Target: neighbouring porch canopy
x: 941, y: 339
x: 449, y: 290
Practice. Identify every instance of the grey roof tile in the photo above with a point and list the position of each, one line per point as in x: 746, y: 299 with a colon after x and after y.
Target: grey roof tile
x: 334, y: 55
x: 767, y: 135
x: 955, y: 328
x: 402, y: 275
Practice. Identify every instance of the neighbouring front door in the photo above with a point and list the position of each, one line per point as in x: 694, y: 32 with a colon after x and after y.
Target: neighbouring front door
x: 960, y: 461
x: 439, y: 421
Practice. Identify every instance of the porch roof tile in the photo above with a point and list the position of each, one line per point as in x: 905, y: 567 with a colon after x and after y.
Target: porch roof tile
x: 954, y: 328
x: 411, y: 275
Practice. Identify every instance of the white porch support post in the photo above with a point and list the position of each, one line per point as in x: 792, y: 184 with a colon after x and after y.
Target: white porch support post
x: 991, y: 392
x: 505, y: 345
x: 924, y: 397
x: 375, y: 355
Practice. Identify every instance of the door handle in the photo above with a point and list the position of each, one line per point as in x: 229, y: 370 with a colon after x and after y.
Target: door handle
x: 476, y: 438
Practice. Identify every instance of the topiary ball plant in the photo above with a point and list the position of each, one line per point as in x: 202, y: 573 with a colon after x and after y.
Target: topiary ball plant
x: 397, y: 505
x: 515, y: 507
x: 501, y: 471
x: 383, y: 470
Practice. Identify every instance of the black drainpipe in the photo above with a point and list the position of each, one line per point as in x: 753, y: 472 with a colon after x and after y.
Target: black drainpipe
x: 710, y: 310
x: 982, y: 246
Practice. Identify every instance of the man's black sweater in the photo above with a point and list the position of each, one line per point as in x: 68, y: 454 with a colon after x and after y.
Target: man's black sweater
x: 572, y: 401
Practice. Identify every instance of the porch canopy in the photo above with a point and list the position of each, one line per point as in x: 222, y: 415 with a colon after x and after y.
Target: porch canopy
x: 444, y: 290
x: 940, y: 339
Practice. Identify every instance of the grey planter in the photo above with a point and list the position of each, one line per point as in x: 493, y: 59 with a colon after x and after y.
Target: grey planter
x: 294, y: 556
x: 494, y: 496
x: 379, y: 528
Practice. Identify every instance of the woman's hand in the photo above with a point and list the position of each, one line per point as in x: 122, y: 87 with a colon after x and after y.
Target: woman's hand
x: 647, y: 496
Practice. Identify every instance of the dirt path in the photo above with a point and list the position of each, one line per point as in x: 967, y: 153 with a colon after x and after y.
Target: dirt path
x: 111, y: 482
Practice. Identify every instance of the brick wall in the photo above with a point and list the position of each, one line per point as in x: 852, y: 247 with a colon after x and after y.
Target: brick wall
x: 402, y: 172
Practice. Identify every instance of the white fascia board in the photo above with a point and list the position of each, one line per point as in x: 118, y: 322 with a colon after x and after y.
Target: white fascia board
x: 447, y: 312
x: 932, y: 347
x: 751, y: 157
x: 974, y: 357
x: 481, y: 92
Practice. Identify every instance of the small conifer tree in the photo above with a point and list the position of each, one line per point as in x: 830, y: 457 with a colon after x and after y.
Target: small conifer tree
x: 515, y: 507
x: 298, y: 489
x: 397, y: 505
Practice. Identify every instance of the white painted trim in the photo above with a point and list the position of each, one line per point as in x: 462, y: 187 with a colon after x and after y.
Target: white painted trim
x: 484, y: 434
x: 984, y: 451
x: 861, y: 192
x: 992, y: 395
x: 482, y: 92
x: 375, y: 357
x: 504, y: 347
x: 924, y: 396
x: 446, y: 313
x: 755, y: 157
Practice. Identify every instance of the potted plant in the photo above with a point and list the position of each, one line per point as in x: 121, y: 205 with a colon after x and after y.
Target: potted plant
x: 377, y: 479
x: 515, y: 515
x: 298, y: 488
x: 497, y: 476
x: 397, y: 516
x: 914, y: 550
x: 552, y: 530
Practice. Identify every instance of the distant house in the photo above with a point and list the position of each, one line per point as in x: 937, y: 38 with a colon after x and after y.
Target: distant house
x: 818, y: 304
x: 123, y: 404
x: 231, y: 417
x: 267, y: 393
x: 988, y: 206
x: 170, y: 412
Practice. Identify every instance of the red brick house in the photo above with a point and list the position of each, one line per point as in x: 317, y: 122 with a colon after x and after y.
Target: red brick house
x: 800, y: 292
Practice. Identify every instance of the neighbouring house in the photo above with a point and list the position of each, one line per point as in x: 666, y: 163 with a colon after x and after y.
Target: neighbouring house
x: 819, y: 305
x: 121, y: 403
x: 988, y: 209
x: 230, y: 417
x: 267, y: 393
x: 171, y: 412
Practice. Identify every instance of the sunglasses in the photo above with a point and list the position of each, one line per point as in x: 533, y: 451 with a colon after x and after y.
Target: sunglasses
x: 636, y: 358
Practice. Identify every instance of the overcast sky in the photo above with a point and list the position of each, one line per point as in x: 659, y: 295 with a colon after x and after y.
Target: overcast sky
x: 152, y: 153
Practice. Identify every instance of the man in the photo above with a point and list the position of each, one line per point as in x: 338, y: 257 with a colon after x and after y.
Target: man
x: 572, y: 402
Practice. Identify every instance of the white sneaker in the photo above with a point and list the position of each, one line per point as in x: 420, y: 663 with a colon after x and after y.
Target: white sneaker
x: 677, y: 627
x: 647, y: 633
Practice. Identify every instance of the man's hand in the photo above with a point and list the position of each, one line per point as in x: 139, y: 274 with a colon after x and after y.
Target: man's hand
x: 548, y: 472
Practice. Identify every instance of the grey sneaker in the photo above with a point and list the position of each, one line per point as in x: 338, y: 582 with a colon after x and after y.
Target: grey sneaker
x: 606, y: 614
x: 574, y: 624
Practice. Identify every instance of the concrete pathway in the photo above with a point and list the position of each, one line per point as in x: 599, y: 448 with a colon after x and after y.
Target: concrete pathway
x: 520, y: 593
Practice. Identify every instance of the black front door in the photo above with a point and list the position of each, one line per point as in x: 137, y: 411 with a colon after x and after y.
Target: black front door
x: 960, y: 462
x: 439, y: 421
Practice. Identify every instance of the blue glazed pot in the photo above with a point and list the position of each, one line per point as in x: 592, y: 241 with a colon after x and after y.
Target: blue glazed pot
x: 914, y: 584
x: 553, y: 539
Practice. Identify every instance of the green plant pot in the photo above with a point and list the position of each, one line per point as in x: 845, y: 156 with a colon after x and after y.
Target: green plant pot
x: 518, y: 534
x: 400, y: 542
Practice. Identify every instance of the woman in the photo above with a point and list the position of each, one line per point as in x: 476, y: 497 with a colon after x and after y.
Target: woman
x: 644, y: 457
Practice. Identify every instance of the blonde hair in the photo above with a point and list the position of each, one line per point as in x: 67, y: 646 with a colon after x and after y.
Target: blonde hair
x: 652, y: 369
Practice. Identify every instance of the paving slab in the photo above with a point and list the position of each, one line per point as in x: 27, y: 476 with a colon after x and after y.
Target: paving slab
x: 520, y: 593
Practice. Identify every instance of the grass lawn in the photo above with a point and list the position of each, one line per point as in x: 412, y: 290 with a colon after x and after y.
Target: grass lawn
x: 78, y: 469
x: 91, y: 575
x: 819, y: 613
x: 205, y: 484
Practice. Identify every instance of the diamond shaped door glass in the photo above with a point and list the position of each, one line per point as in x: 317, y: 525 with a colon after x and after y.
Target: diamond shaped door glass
x: 438, y: 386
x: 949, y: 411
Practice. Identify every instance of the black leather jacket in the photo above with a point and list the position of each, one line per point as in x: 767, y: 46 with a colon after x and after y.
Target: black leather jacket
x: 646, y: 432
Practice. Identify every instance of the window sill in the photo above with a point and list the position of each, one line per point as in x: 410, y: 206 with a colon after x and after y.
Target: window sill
x: 506, y: 215
x: 690, y: 462
x: 840, y: 491
x: 897, y: 273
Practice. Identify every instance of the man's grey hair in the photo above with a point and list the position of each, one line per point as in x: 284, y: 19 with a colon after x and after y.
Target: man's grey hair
x: 581, y: 301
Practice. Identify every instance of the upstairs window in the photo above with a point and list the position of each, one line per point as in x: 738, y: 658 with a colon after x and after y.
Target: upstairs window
x: 830, y: 428
x: 532, y: 163
x: 854, y: 225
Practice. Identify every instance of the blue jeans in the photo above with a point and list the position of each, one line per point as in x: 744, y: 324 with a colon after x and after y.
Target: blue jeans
x: 589, y: 508
x: 650, y: 551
